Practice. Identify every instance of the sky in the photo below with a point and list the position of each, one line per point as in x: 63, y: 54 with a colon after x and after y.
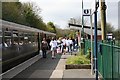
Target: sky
x: 60, y: 11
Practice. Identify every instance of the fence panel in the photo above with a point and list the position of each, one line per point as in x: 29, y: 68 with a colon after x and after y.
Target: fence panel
x: 108, y: 59
x: 116, y: 62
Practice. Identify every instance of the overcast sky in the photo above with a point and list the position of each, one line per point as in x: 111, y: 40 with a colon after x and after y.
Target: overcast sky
x: 60, y: 11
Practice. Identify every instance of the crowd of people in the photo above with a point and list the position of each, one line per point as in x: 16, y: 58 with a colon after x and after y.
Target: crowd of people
x: 62, y: 45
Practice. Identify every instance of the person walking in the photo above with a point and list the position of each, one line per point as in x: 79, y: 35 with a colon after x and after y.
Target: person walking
x: 59, y: 45
x: 64, y: 45
x: 53, y: 44
x: 71, y: 45
x: 67, y: 45
x: 44, y: 48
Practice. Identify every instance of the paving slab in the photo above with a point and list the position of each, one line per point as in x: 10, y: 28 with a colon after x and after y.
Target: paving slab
x: 78, y: 73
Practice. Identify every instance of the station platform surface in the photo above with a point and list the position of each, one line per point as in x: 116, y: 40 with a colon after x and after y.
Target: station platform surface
x: 53, y: 69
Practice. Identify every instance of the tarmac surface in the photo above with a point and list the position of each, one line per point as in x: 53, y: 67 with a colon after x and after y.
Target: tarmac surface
x: 53, y: 69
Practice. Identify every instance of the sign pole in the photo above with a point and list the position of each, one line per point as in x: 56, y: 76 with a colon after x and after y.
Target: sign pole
x: 83, y: 30
x: 95, y: 39
x: 91, y: 44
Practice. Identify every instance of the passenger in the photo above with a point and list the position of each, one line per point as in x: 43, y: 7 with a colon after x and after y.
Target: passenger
x: 44, y: 47
x: 56, y: 45
x: 21, y: 43
x: 9, y: 42
x: 64, y: 45
x: 71, y: 45
x: 15, y: 43
x: 76, y: 44
x: 5, y: 44
x: 67, y: 45
x: 73, y: 40
x: 48, y: 41
x: 59, y: 42
x: 53, y: 47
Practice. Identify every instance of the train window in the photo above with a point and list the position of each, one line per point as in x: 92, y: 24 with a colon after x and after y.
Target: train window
x: 36, y: 39
x: 8, y: 34
x: 32, y: 37
x: 29, y: 38
x: 15, y: 37
x: 7, y: 38
x: 7, y: 42
x: 26, y: 38
x: 21, y: 36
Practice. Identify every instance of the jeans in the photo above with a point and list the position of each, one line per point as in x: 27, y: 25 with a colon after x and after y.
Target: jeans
x: 44, y: 53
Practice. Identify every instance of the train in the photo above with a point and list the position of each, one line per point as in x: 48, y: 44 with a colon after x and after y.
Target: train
x: 19, y: 43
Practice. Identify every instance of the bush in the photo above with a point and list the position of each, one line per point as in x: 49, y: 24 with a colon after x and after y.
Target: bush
x: 88, y: 55
x: 78, y: 60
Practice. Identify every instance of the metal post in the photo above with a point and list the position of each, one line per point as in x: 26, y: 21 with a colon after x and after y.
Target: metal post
x: 95, y: 39
x: 91, y: 45
x: 83, y: 29
x: 82, y: 18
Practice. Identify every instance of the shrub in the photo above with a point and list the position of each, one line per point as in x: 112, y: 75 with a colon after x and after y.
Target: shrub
x: 78, y: 60
x: 88, y: 55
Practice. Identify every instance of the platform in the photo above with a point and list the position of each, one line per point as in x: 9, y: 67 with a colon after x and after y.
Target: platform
x: 52, y: 69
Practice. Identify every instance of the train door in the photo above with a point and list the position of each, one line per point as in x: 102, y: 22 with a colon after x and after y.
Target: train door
x: 39, y: 42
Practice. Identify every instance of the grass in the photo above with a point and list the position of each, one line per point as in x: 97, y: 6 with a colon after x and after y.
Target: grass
x: 79, y: 59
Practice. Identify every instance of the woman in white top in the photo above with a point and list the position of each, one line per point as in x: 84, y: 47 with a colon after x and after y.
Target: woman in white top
x: 71, y: 45
x: 53, y: 44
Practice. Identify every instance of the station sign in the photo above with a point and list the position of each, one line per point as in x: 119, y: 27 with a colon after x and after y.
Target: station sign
x: 86, y: 12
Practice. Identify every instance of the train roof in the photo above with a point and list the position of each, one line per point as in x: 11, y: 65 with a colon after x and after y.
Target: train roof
x: 22, y: 27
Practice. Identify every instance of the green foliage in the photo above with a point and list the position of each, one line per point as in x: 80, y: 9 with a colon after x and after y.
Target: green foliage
x: 51, y: 27
x: 65, y: 32
x: 11, y: 11
x: 109, y: 27
x: 78, y: 60
x: 88, y: 55
x: 23, y: 13
x: 117, y: 34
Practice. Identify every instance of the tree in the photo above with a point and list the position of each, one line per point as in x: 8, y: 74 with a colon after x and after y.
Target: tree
x: 51, y: 27
x: 31, y: 13
x: 109, y: 27
x: 117, y: 34
x: 11, y: 11
x: 25, y: 14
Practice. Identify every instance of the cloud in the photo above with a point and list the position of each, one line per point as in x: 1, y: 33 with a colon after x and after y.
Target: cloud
x: 60, y: 11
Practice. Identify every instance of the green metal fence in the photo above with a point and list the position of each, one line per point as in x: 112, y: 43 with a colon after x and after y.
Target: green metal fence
x: 108, y: 59
x: 87, y: 45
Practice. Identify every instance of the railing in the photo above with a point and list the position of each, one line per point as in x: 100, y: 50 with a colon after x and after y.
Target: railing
x: 108, y: 59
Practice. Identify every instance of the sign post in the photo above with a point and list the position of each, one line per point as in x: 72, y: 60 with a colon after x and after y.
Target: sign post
x: 88, y: 12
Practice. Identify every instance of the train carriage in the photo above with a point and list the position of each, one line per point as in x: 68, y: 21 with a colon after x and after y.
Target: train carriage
x: 19, y: 43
